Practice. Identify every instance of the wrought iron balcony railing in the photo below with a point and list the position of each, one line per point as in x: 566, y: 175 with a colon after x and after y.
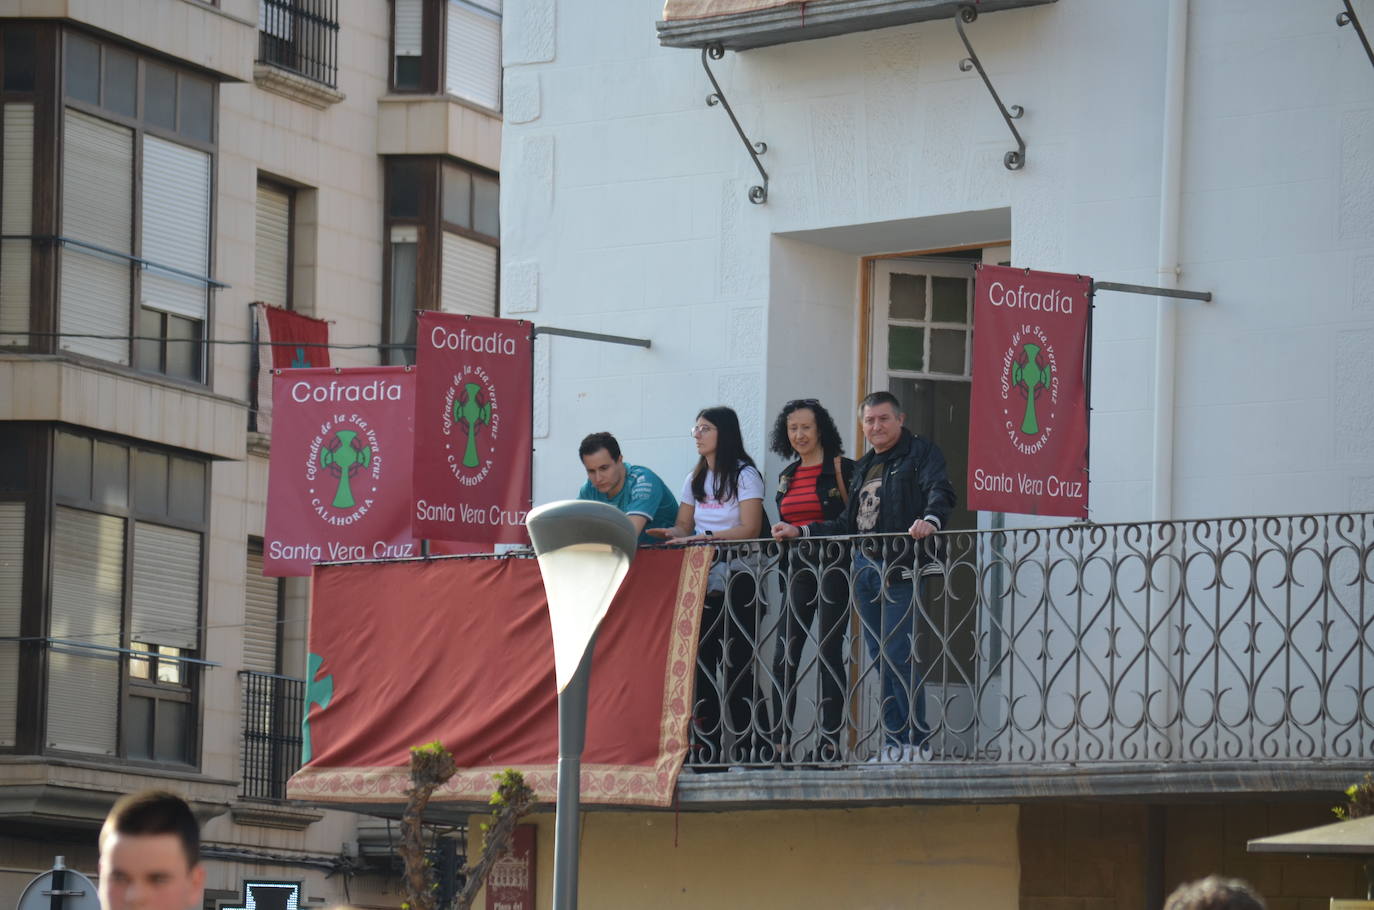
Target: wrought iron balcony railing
x: 301, y: 36
x: 271, y: 732
x: 1239, y: 640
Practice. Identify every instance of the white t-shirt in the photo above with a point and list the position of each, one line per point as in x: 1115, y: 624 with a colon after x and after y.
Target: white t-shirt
x: 716, y: 516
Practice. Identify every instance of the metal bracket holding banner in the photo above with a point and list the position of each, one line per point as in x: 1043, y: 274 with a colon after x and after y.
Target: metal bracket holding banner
x: 1349, y: 18
x: 757, y: 194
x: 1148, y: 291
x: 593, y: 336
x: 1015, y: 159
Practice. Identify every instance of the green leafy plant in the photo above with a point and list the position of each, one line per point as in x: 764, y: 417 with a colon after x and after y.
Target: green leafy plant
x: 1359, y: 800
x: 431, y: 766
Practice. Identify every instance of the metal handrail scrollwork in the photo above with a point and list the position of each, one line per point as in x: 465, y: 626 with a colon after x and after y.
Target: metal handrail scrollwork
x: 758, y: 194
x: 1016, y: 158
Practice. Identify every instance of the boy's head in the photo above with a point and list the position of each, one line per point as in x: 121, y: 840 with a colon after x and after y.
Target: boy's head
x: 150, y: 854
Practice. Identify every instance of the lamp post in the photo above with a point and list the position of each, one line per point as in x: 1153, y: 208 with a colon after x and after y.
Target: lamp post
x: 584, y: 551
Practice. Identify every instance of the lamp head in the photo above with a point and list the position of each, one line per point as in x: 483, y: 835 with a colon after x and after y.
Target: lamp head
x: 584, y: 551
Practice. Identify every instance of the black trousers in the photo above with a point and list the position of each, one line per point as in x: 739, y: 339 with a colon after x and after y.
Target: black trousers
x: 814, y: 592
x: 724, y: 713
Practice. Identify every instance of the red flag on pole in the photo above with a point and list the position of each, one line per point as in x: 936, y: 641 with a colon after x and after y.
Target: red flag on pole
x: 473, y: 431
x: 1028, y: 421
x: 302, y: 341
x: 338, y: 485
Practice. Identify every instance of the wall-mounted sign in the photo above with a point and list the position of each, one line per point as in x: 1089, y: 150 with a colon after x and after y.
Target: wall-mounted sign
x: 473, y: 435
x: 510, y: 886
x: 1028, y: 421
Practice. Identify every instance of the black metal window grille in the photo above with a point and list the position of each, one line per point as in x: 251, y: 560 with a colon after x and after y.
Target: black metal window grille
x: 271, y: 732
x: 301, y: 36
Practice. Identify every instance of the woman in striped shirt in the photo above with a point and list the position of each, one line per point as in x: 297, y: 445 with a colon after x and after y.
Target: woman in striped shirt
x: 814, y: 486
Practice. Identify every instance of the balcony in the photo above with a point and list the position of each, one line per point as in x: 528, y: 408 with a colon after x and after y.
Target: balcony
x: 271, y: 733
x: 1228, y: 655
x: 298, y: 50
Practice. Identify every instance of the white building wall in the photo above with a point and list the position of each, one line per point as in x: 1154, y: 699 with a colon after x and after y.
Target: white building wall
x: 624, y: 196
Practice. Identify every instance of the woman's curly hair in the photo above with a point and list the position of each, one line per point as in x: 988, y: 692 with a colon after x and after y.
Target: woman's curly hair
x: 831, y: 443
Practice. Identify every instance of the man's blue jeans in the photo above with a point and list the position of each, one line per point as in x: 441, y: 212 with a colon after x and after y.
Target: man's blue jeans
x: 890, y: 613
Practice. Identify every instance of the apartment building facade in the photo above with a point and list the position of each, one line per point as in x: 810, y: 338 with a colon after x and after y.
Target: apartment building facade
x: 787, y: 200
x: 166, y: 165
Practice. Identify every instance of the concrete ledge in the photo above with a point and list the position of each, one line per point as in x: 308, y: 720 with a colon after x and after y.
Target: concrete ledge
x: 88, y: 393
x: 79, y: 794
x: 952, y: 782
x: 274, y: 815
x: 816, y: 19
x: 438, y: 125
x: 295, y: 86
x: 195, y: 33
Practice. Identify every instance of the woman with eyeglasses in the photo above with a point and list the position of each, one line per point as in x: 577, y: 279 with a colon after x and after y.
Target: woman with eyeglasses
x: 721, y: 501
x: 814, y: 486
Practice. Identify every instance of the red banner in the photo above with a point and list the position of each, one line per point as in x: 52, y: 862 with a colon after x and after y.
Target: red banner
x: 1028, y: 421
x: 460, y: 650
x: 300, y: 341
x: 473, y: 431
x: 338, y: 485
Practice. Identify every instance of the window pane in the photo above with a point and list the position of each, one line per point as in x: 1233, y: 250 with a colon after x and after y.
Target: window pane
x: 82, y: 69
x: 407, y: 73
x: 72, y: 467
x: 14, y: 460
x: 138, y: 727
x: 951, y: 299
x: 486, y: 206
x: 188, y: 490
x: 121, y: 81
x: 110, y: 480
x: 905, y: 348
x: 457, y: 196
x: 83, y: 703
x: 403, y: 301
x: 160, y: 95
x: 907, y: 297
x: 150, y: 482
x: 171, y: 731
x: 172, y: 672
x: 148, y: 349
x: 20, y: 59
x: 183, y: 348
x: 197, y: 108
x: 405, y: 179
x: 139, y: 667
x: 947, y: 351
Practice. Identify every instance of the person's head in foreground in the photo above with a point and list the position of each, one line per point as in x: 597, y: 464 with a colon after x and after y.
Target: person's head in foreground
x: 1215, y: 893
x: 150, y: 854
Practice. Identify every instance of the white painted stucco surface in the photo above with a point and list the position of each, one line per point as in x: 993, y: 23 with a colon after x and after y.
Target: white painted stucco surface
x: 624, y: 211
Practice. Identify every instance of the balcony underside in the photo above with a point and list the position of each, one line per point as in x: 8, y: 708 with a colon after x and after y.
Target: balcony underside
x: 784, y: 24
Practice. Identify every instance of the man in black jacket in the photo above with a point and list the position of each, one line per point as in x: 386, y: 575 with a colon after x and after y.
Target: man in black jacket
x: 900, y: 487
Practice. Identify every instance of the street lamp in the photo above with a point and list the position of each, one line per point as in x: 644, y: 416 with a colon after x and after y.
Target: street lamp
x: 584, y: 551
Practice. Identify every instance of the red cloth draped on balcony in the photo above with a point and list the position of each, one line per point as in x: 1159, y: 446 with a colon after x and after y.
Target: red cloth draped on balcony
x: 701, y: 9
x: 460, y: 650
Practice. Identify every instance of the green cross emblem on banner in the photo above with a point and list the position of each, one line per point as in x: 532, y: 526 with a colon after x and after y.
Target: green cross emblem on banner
x: 471, y: 410
x: 1031, y: 376
x: 347, y: 454
x: 317, y: 692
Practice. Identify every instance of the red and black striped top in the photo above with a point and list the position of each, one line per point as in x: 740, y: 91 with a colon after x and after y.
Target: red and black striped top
x: 800, y: 505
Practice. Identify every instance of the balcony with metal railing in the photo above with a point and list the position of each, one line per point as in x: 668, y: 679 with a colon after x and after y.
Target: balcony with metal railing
x: 272, y: 708
x: 300, y: 37
x: 1228, y: 655
x: 1224, y: 656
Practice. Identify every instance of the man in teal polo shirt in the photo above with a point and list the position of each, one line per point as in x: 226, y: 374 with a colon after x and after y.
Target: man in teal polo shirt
x: 634, y: 490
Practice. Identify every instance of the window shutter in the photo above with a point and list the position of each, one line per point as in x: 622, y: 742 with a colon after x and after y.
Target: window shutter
x: 469, y: 277
x: 473, y: 55
x: 176, y: 225
x: 87, y: 598
x: 407, y: 28
x: 166, y: 590
x: 272, y: 246
x: 16, y: 217
x: 261, y: 612
x: 11, y: 596
x: 97, y: 207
